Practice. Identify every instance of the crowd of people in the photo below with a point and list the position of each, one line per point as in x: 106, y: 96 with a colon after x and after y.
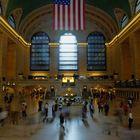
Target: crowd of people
x: 16, y: 105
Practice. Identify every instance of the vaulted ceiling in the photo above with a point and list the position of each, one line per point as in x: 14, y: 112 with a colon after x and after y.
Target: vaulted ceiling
x: 96, y: 19
x: 106, y: 5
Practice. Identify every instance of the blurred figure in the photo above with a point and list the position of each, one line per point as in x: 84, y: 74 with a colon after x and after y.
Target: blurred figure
x: 40, y: 102
x: 100, y: 106
x: 60, y: 106
x: 106, y: 109
x: 130, y: 120
x: 130, y: 102
x: 53, y: 111
x: 119, y: 115
x: 61, y: 117
x: 56, y: 106
x: 24, y: 108
x: 125, y: 109
x: 6, y: 98
x: 84, y: 110
x: 91, y: 109
x: 46, y: 112
x: 14, y: 110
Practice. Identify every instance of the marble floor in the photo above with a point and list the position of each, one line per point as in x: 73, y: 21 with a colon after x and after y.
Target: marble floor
x: 99, y: 128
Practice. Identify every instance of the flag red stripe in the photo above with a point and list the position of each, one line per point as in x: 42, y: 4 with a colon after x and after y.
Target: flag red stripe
x: 58, y: 18
x: 79, y: 14
x: 65, y: 17
x: 74, y: 15
x: 64, y: 27
x: 68, y: 17
x: 84, y: 14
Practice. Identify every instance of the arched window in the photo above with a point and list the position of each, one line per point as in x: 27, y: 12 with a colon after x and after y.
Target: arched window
x: 68, y: 52
x: 124, y: 21
x: 137, y: 6
x: 12, y: 22
x: 0, y: 9
x: 40, y: 53
x: 96, y: 52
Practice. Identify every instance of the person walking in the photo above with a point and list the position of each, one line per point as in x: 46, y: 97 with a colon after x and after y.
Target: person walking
x: 40, y: 102
x: 91, y: 109
x: 61, y: 117
x: 84, y: 111
x: 46, y: 112
x: 130, y: 120
x: 24, y: 109
x: 53, y: 111
x: 106, y: 109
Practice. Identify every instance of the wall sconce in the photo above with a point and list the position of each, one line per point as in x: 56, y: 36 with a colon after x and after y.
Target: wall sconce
x: 9, y: 83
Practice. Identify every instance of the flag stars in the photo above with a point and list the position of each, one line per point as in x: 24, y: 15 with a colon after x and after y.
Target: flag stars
x: 62, y: 2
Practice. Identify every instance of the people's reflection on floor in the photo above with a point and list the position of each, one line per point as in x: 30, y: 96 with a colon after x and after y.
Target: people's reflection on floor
x: 61, y: 133
x: 85, y: 122
x: 95, y: 120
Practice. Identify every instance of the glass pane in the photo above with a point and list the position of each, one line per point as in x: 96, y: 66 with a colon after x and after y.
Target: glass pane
x: 124, y: 21
x: 67, y: 58
x: 11, y: 21
x: 96, y: 52
x: 137, y: 8
x: 68, y: 52
x: 40, y: 56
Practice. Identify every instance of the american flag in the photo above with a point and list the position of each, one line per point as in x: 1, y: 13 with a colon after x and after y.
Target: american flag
x: 68, y: 15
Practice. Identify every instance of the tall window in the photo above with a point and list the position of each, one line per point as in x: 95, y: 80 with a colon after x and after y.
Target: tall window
x: 0, y: 9
x: 137, y: 7
x: 68, y: 52
x: 40, y: 54
x: 11, y: 21
x: 96, y: 52
x: 124, y: 21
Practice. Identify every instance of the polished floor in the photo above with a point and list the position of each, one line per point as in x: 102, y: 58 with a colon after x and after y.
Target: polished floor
x: 99, y: 128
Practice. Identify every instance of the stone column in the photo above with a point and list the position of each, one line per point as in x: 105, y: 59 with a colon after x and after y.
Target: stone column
x: 1, y: 84
x: 1, y: 57
x: 136, y: 46
x: 109, y: 60
x: 132, y: 44
x: 3, y: 51
x: 4, y: 44
x: 26, y: 58
x: 126, y: 63
x: 11, y: 61
x: 116, y: 60
x: 82, y: 60
x: 20, y: 60
x: 53, y: 60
